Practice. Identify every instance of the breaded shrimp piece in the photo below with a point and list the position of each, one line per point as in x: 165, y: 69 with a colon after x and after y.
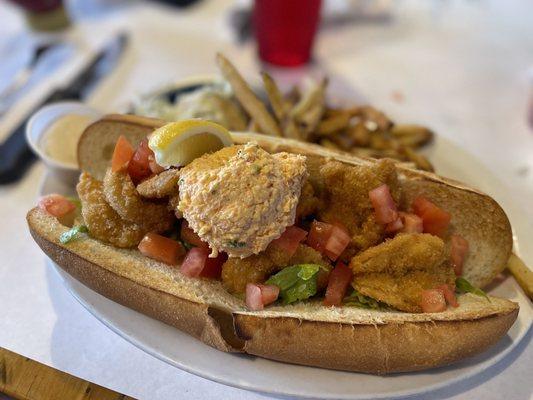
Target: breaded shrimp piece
x: 347, y: 199
x: 396, y: 271
x: 308, y: 203
x: 103, y: 222
x: 161, y: 185
x: 237, y: 272
x: 121, y: 194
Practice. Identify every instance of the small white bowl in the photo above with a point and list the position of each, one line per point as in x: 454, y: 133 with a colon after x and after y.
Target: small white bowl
x: 39, y: 123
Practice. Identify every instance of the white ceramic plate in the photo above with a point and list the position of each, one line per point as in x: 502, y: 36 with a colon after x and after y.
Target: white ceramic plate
x: 248, y: 372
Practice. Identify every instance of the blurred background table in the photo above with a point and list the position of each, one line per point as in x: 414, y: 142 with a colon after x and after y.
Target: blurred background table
x: 461, y: 68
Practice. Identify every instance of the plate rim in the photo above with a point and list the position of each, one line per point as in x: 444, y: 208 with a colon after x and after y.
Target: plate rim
x: 473, y: 371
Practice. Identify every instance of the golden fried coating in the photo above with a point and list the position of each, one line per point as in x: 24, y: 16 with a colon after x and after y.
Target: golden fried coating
x: 347, y: 201
x: 121, y: 194
x: 397, y: 271
x: 161, y: 185
x: 173, y: 203
x: 371, y: 233
x: 237, y: 272
x: 309, y: 203
x: 315, y: 178
x: 103, y: 222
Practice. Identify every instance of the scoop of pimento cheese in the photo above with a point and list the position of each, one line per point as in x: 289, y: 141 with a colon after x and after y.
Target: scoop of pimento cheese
x: 241, y: 198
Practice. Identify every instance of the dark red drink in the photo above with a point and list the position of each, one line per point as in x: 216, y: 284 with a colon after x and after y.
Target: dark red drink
x: 285, y: 30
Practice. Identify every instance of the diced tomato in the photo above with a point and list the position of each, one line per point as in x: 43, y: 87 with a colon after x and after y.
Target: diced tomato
x: 254, y: 298
x: 213, y: 266
x: 122, y: 154
x: 319, y: 235
x: 449, y: 295
x: 435, y: 219
x: 194, y: 262
x: 290, y: 239
x: 339, y: 280
x: 412, y: 223
x: 384, y: 205
x: 432, y: 300
x: 56, y: 205
x: 161, y: 248
x: 337, y: 242
x: 269, y: 293
x: 394, y: 226
x: 459, y: 249
x: 328, y: 239
x: 191, y: 237
x: 139, y: 166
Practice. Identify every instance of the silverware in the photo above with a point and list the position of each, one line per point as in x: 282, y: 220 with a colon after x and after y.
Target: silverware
x: 22, y: 77
x: 15, y: 155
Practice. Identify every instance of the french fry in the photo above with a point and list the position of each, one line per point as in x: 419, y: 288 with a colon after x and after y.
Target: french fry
x: 359, y: 134
x: 343, y: 140
x: 278, y: 103
x: 253, y: 126
x: 379, y: 141
x: 292, y: 97
x: 420, y: 161
x: 309, y: 110
x: 411, y: 135
x: 369, y: 113
x: 249, y: 101
x: 291, y: 130
x: 307, y: 117
x: 522, y: 274
x: 333, y: 124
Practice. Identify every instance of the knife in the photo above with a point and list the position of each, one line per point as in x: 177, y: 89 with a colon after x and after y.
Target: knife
x: 15, y: 154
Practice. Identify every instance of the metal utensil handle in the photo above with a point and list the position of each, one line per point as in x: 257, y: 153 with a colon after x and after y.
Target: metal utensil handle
x: 15, y: 154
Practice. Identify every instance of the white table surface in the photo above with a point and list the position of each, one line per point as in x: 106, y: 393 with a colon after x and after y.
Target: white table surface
x: 464, y: 69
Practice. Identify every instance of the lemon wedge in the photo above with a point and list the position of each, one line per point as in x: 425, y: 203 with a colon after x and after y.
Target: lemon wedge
x: 178, y: 143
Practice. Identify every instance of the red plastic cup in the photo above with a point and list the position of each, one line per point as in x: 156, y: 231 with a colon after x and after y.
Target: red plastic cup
x: 285, y: 30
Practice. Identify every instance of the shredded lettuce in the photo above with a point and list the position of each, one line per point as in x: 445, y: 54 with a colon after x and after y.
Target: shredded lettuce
x: 464, y: 286
x: 73, y: 233
x: 297, y: 282
x: 356, y: 299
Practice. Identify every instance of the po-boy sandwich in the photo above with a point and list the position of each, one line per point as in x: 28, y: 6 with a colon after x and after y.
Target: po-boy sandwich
x: 281, y: 249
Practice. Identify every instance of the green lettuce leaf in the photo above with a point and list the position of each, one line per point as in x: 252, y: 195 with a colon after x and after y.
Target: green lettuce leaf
x: 297, y: 282
x: 356, y: 299
x: 464, y: 286
x: 73, y: 233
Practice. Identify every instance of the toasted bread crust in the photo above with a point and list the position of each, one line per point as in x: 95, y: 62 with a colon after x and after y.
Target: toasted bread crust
x: 377, y: 349
x: 362, y: 347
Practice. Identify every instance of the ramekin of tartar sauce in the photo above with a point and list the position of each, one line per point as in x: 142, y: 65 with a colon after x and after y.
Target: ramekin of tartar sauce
x: 53, y: 133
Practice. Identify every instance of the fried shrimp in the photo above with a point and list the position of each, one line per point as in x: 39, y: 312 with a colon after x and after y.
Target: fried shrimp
x: 161, y: 185
x: 103, y: 222
x: 398, y: 270
x: 347, y: 199
x: 309, y: 203
x: 121, y: 194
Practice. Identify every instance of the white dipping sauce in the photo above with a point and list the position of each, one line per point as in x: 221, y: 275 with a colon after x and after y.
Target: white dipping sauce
x: 60, y: 140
